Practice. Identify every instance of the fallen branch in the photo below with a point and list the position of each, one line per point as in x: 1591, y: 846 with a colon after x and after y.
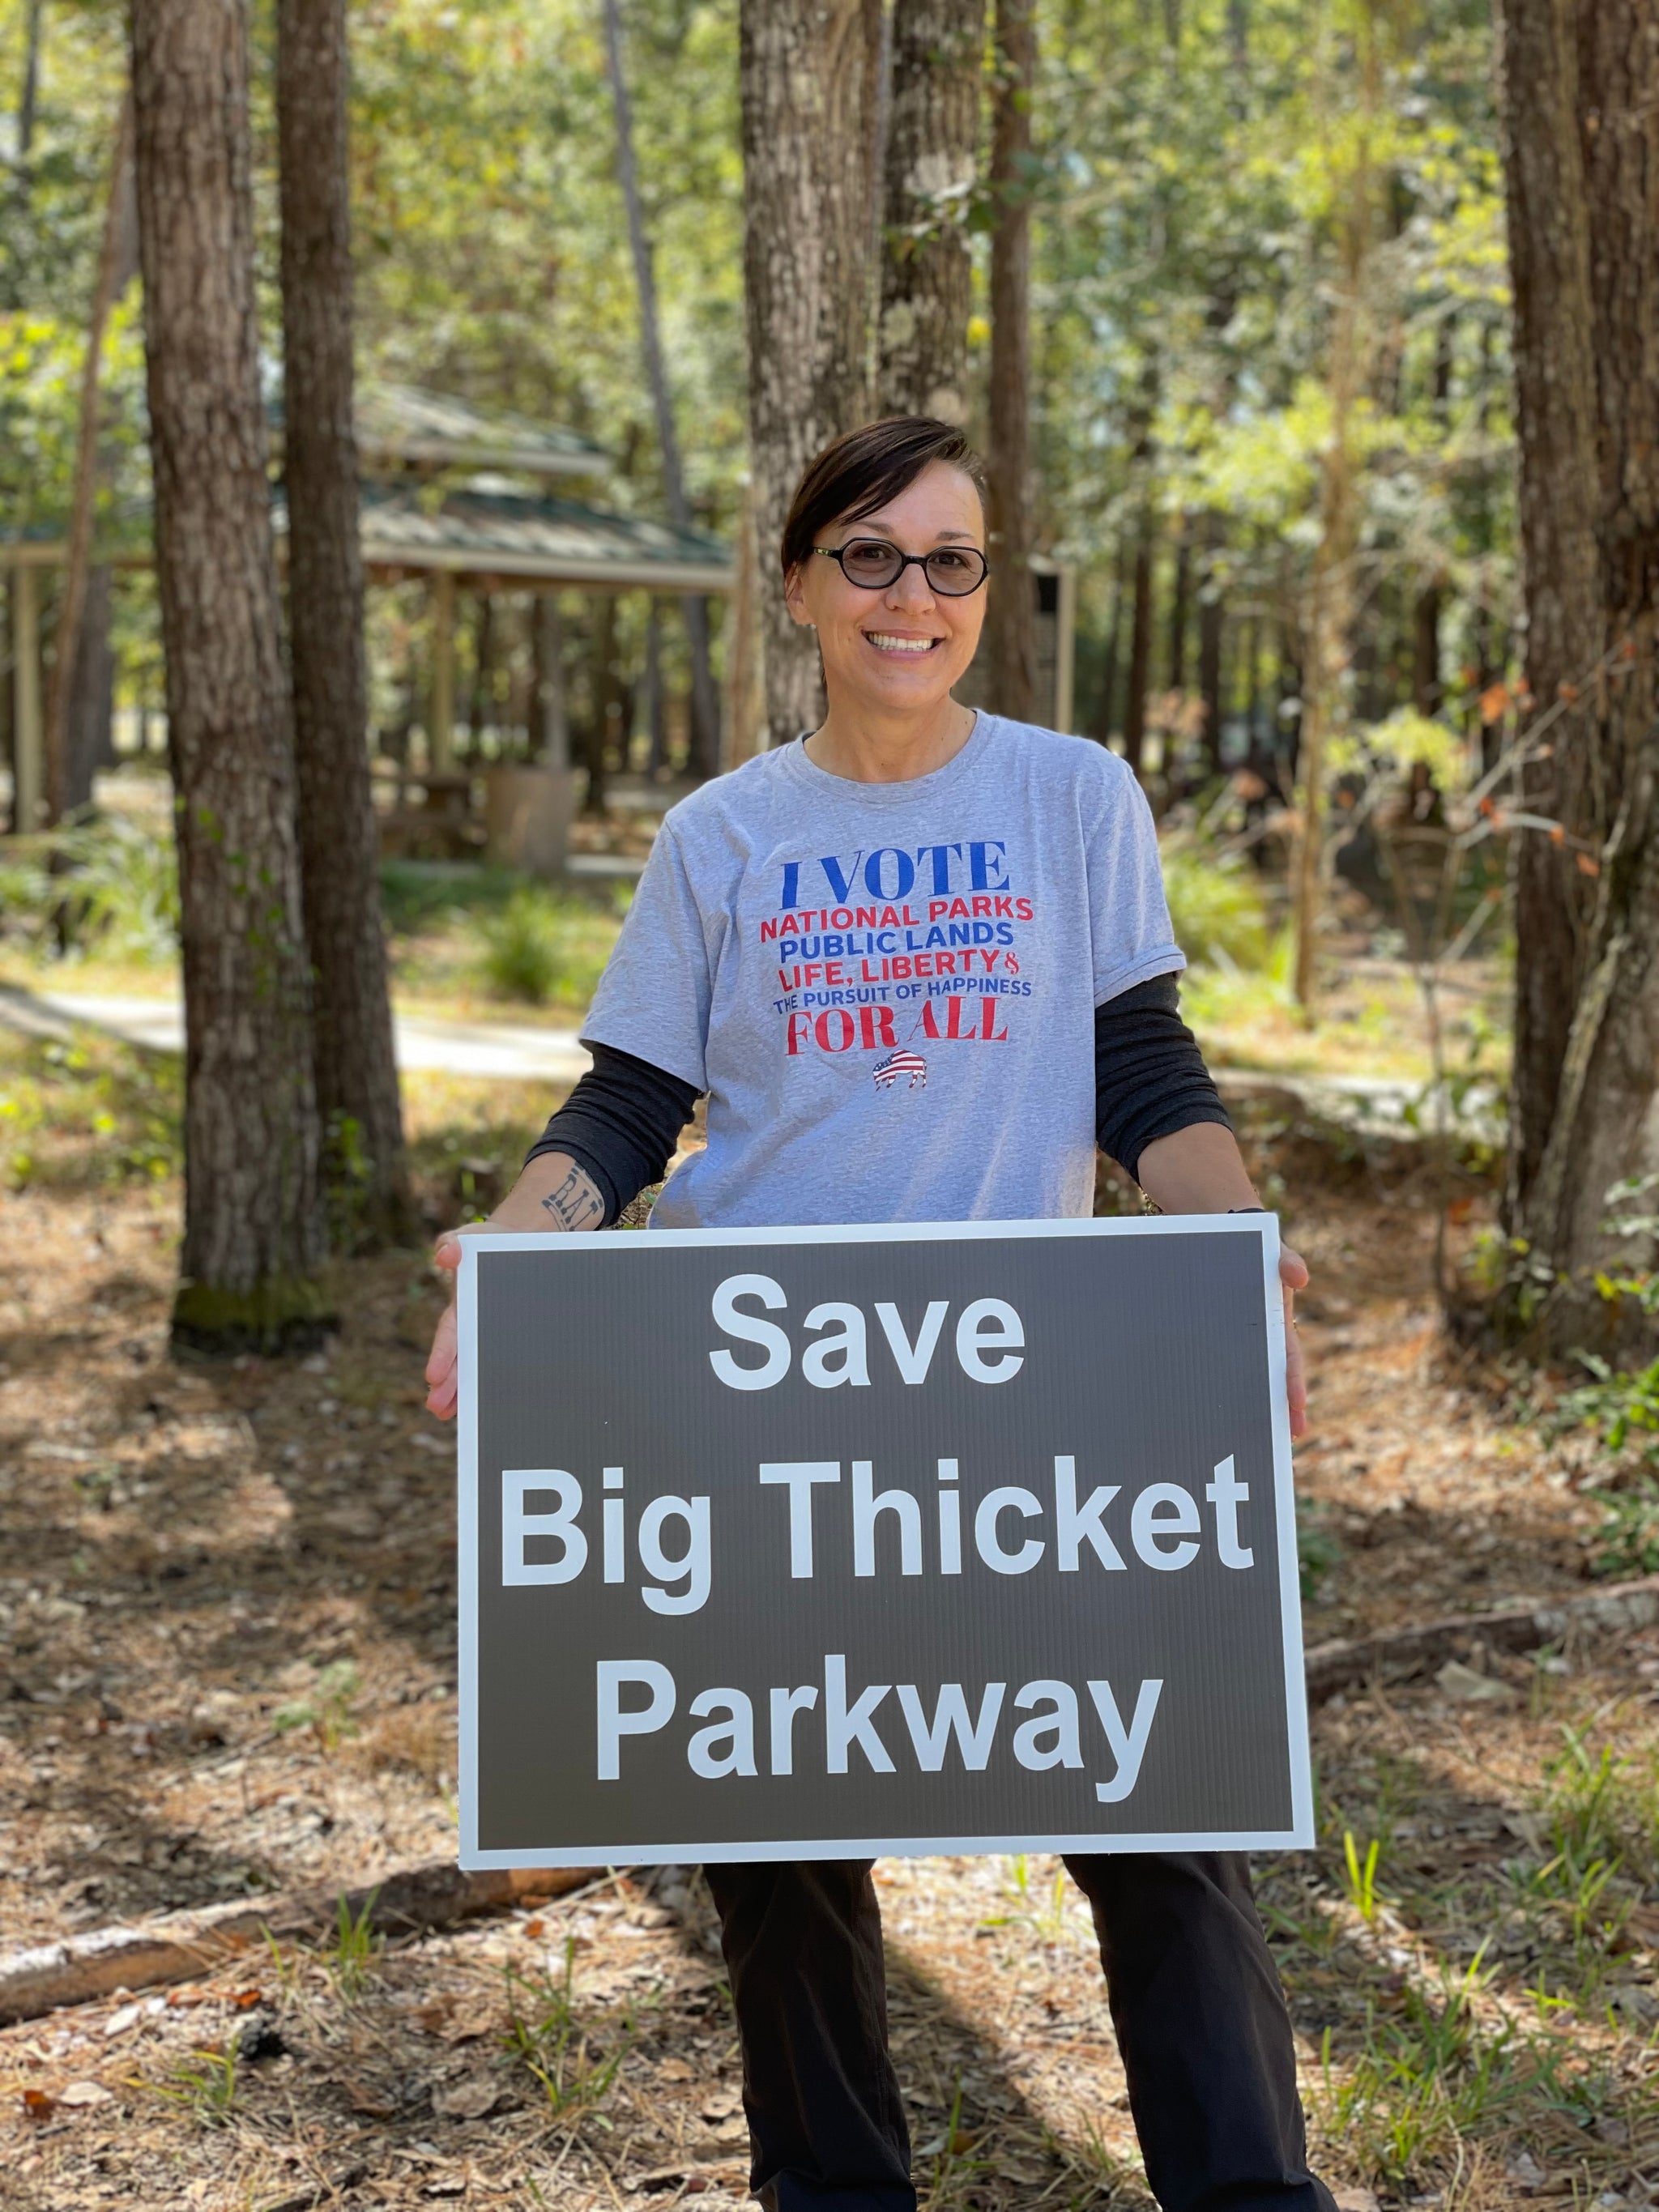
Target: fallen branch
x: 85, y: 1967
x: 1398, y: 1653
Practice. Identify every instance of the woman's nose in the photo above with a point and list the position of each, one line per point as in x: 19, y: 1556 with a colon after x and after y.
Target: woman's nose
x: 909, y: 589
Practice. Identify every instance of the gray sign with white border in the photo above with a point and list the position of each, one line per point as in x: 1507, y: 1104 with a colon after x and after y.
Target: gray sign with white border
x: 834, y: 1542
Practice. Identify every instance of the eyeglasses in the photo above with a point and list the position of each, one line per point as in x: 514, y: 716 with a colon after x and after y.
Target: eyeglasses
x: 955, y: 572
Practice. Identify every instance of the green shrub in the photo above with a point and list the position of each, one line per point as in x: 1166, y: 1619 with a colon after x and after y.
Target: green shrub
x: 539, y: 946
x: 1217, y: 908
x: 108, y: 887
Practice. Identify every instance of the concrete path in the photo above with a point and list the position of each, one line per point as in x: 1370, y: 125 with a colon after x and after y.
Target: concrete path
x: 481, y: 1048
x: 1371, y: 1104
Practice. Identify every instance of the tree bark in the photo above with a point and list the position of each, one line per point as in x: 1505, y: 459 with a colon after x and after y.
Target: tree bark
x: 933, y: 145
x: 807, y: 80
x: 1011, y: 616
x: 90, y: 706
x: 705, y: 745
x: 1180, y: 605
x: 254, y: 1219
x: 29, y: 93
x: 1555, y: 402
x: 1107, y: 718
x: 1140, y: 648
x: 356, y: 1068
x: 1594, y: 916
x: 1330, y: 600
x: 1211, y: 630
x: 1427, y: 692
x: 72, y: 599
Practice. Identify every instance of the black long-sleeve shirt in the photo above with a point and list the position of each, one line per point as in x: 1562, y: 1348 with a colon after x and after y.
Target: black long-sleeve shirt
x: 622, y: 1121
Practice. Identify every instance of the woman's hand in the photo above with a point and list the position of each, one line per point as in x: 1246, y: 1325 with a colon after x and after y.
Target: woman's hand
x: 552, y: 1192
x: 1293, y: 1277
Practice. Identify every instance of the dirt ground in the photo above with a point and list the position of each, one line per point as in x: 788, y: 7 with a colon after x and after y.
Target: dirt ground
x: 226, y: 1668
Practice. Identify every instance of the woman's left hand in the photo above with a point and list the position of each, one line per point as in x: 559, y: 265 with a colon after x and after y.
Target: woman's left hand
x: 1293, y: 1276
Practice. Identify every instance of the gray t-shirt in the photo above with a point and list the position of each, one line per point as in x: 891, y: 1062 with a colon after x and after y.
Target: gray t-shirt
x: 888, y: 990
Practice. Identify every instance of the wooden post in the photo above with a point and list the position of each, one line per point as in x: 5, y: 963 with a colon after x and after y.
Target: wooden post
x: 28, y: 731
x: 441, y: 710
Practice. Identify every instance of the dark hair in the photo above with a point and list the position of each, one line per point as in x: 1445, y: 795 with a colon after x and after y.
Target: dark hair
x: 865, y: 468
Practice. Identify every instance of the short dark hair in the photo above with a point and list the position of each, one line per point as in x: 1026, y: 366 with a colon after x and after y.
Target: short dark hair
x: 864, y: 468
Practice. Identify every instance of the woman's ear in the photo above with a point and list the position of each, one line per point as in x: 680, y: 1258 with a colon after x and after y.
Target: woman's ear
x: 795, y: 598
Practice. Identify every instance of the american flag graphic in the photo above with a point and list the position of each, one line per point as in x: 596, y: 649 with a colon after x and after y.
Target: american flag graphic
x: 887, y: 1071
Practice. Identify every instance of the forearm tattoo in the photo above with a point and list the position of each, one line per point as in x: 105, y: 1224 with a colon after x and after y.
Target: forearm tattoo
x: 575, y: 1204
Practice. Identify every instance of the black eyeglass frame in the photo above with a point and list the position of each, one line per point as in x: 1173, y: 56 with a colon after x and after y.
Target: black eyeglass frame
x: 838, y: 553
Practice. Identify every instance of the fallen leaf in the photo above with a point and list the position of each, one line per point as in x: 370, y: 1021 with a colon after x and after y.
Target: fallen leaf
x: 469, y: 2099
x: 534, y: 1927
x: 85, y: 2092
x: 128, y: 2016
x: 1356, y: 2200
x: 245, y: 2000
x: 371, y: 2102
x: 675, y: 2070
x: 39, y: 2104
x: 1524, y: 2168
x: 1588, y: 866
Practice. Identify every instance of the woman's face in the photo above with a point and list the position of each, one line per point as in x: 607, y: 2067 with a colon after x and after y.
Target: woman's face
x: 900, y: 648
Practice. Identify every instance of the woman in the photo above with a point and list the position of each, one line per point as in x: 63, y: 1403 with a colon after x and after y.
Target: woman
x: 857, y: 1069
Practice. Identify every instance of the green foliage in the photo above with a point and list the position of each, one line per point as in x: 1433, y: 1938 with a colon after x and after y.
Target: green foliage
x: 544, y: 2032
x: 88, y: 1114
x: 1628, y: 1539
x: 354, y: 1957
x: 108, y: 888
x: 1215, y: 905
x: 1361, y: 1874
x: 1407, y: 740
x: 1424, y: 2080
x: 1601, y: 1807
x: 540, y: 946
x: 203, y: 2086
x: 326, y: 1707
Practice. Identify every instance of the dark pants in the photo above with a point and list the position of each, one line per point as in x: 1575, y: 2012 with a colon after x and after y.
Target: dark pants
x: 1195, y: 2001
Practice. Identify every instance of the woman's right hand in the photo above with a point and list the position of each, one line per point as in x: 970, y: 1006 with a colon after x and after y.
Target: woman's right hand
x: 552, y: 1192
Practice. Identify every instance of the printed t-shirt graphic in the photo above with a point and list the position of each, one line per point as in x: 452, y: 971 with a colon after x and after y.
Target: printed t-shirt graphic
x: 888, y: 990
x: 907, y: 947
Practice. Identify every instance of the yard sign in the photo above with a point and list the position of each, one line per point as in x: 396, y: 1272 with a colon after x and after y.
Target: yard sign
x: 828, y: 1543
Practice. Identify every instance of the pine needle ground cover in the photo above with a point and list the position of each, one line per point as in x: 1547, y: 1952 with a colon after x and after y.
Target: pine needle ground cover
x: 227, y: 1608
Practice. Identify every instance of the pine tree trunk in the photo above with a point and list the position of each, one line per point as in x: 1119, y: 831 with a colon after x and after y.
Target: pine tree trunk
x: 1010, y: 615
x: 1555, y: 401
x: 253, y: 1219
x: 356, y: 1069
x: 1140, y: 648
x: 72, y: 599
x: 932, y: 144
x: 1600, y: 923
x: 807, y: 80
x: 1107, y: 722
x: 1180, y: 606
x: 703, y: 754
x: 87, y: 733
x: 1211, y: 630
